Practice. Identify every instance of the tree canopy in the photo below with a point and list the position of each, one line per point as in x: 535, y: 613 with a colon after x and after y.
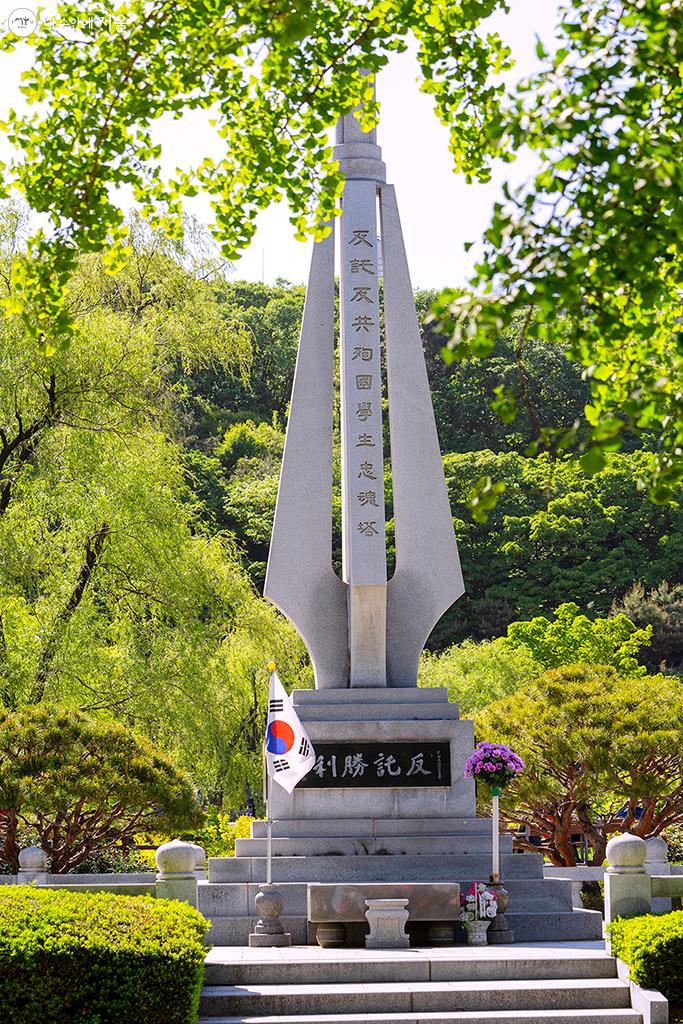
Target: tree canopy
x: 80, y: 785
x: 603, y: 752
x: 274, y: 81
x: 571, y: 637
x: 115, y: 597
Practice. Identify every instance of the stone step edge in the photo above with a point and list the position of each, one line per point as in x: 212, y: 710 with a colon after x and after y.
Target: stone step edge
x: 590, y: 1016
x: 408, y: 957
x: 349, y: 988
x: 369, y: 826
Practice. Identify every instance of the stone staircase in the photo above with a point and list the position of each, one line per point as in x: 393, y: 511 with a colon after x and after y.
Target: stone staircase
x: 379, y: 850
x: 517, y: 985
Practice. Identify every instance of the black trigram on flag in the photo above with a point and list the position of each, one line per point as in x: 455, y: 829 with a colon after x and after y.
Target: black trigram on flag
x: 276, y: 705
x: 304, y: 748
x: 281, y: 765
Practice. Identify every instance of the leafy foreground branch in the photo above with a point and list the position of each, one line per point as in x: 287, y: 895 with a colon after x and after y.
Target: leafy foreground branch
x: 597, y: 233
x: 274, y: 79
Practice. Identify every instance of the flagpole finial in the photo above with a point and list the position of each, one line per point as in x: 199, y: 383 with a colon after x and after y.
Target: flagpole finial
x: 271, y: 666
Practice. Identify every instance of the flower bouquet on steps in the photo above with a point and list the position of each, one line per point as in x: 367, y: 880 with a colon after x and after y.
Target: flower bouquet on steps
x: 478, y: 907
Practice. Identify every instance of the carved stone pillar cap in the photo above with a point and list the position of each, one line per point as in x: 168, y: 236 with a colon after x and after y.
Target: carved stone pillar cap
x: 200, y: 853
x: 657, y: 850
x: 626, y: 853
x: 176, y: 858
x: 32, y: 858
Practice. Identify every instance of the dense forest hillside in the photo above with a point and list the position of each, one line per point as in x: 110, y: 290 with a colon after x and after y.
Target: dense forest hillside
x: 555, y: 534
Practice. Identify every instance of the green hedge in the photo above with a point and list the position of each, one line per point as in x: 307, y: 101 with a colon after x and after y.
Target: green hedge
x: 653, y: 948
x: 98, y: 958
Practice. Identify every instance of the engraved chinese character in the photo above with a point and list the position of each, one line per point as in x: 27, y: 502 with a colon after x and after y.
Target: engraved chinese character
x: 363, y: 323
x: 360, y: 352
x: 365, y: 441
x: 368, y: 498
x: 387, y: 764
x: 321, y: 766
x: 368, y: 529
x: 360, y: 294
x: 363, y: 381
x: 354, y: 765
x: 366, y: 471
x: 360, y: 237
x: 364, y: 265
x: 417, y: 766
x: 364, y: 411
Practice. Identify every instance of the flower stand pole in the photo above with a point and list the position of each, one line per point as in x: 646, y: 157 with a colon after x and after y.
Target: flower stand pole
x: 495, y: 871
x: 500, y: 933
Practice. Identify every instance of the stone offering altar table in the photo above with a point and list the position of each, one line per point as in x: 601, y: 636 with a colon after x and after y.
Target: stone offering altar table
x: 332, y: 906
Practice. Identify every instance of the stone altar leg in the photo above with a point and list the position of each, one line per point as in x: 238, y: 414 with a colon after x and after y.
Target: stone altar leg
x: 387, y: 920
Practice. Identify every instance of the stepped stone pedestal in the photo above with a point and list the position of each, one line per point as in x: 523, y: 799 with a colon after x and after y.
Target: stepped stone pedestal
x: 339, y: 830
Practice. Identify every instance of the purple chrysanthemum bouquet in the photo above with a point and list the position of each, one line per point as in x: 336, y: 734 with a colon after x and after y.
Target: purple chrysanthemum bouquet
x: 494, y: 764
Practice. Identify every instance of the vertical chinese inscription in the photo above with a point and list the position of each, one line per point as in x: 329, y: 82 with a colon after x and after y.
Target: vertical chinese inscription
x: 364, y: 552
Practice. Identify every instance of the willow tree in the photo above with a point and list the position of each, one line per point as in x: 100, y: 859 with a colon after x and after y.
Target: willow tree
x: 113, y: 598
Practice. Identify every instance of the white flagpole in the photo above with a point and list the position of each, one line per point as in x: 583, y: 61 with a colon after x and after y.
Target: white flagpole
x: 269, y: 835
x: 269, y: 820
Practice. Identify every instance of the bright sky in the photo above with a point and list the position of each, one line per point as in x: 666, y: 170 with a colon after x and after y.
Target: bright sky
x: 439, y: 211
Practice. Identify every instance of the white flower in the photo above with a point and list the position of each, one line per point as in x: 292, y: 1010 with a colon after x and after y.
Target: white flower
x: 491, y: 912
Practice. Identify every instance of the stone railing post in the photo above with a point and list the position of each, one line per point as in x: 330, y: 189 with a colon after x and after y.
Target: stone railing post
x: 657, y: 863
x: 627, y: 884
x: 33, y: 864
x: 176, y: 878
x: 200, y: 862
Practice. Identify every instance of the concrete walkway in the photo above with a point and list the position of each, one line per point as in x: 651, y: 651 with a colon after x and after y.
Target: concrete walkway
x: 300, y: 954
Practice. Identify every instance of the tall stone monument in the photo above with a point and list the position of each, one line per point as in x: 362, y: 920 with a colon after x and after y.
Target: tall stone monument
x: 362, y: 631
x: 386, y: 800
x: 385, y: 748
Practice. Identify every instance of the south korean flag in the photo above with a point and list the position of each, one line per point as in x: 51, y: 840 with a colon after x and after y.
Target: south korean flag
x: 289, y: 751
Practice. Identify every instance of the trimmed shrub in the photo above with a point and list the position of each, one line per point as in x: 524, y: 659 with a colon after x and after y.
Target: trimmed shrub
x: 652, y: 946
x: 98, y: 958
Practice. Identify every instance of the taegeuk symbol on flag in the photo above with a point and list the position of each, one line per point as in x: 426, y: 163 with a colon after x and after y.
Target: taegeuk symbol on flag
x: 289, y: 751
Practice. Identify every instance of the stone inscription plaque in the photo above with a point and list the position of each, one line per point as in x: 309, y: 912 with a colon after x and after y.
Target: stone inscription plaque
x: 379, y: 765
